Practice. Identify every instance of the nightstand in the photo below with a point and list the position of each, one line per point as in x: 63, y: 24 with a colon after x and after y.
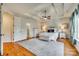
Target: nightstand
x: 62, y: 35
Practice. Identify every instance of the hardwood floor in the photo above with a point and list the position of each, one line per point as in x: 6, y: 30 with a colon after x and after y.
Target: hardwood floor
x: 69, y: 49
x: 14, y: 49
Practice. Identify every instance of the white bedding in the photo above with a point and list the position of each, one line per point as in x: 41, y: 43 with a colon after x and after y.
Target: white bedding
x: 41, y: 48
x: 48, y: 36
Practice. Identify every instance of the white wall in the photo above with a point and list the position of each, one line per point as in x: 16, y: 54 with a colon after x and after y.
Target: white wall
x: 20, y: 28
x: 57, y: 22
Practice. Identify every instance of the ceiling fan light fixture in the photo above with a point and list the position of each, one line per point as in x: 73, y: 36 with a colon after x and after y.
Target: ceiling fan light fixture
x: 46, y: 17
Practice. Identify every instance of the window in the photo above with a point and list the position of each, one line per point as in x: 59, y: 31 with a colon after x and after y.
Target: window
x: 74, y: 26
x: 78, y: 29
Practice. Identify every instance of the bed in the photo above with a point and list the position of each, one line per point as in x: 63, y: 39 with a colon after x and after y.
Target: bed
x: 48, y: 36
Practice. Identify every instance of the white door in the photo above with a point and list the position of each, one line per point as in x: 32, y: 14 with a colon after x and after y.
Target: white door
x: 7, y: 27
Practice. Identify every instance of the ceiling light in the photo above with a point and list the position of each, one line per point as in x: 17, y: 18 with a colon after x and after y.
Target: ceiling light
x: 45, y: 15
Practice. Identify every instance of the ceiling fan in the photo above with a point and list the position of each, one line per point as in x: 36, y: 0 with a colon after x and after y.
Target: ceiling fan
x: 45, y: 15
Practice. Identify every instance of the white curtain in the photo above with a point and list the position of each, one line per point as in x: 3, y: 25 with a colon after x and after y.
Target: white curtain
x: 75, y: 25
